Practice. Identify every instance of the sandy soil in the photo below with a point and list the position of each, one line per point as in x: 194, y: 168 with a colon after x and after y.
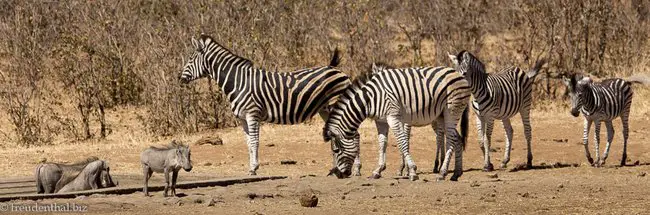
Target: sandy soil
x: 562, y: 182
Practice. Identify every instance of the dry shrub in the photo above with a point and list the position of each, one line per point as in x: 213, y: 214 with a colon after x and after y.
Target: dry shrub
x: 101, y: 55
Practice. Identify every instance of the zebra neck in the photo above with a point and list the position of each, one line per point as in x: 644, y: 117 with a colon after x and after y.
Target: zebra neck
x: 357, y: 112
x: 231, y: 77
x: 480, y: 89
x: 591, y: 100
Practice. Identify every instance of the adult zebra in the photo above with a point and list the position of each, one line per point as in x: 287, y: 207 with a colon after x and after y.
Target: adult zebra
x: 498, y: 96
x: 414, y: 96
x: 258, y: 95
x: 598, y: 102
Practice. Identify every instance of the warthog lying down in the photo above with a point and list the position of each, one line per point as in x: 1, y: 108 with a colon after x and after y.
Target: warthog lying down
x: 170, y: 158
x: 93, y: 176
x: 49, y: 174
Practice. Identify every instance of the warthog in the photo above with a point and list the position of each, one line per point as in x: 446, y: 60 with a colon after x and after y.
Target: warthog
x: 49, y: 174
x: 95, y: 175
x: 170, y: 158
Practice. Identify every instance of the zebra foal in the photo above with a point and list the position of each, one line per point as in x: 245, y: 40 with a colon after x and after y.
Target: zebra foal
x: 500, y: 96
x: 600, y: 102
x: 257, y: 95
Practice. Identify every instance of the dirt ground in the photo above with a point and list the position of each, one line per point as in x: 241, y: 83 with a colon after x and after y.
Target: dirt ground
x: 561, y: 182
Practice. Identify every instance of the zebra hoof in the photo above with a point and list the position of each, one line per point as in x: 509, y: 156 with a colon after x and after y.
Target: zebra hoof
x: 488, y: 168
x: 504, y: 165
x: 454, y: 178
x: 252, y: 173
x: 440, y: 178
x: 435, y: 170
x: 414, y: 177
x: 375, y: 176
x: 590, y: 160
x: 529, y: 166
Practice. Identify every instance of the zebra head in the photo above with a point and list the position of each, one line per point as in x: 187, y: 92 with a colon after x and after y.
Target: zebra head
x: 577, y: 86
x: 195, y: 67
x: 467, y: 64
x: 344, y: 148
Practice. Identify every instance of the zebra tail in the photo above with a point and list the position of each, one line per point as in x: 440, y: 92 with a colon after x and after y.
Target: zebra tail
x: 336, y: 58
x: 464, y: 125
x: 538, y: 65
x: 638, y: 79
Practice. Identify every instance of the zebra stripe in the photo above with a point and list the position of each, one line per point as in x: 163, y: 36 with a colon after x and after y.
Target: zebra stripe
x: 498, y: 96
x: 600, y: 102
x: 257, y: 95
x: 412, y: 96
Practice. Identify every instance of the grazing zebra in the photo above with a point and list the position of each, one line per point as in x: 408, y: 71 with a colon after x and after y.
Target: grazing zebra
x: 498, y: 96
x: 598, y: 102
x: 257, y: 95
x: 413, y: 96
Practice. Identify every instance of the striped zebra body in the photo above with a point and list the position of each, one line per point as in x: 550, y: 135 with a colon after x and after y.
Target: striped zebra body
x: 600, y: 102
x: 498, y: 96
x: 410, y: 96
x: 257, y: 95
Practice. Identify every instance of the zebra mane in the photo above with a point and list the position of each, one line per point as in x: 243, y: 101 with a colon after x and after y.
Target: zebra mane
x: 209, y: 41
x: 467, y: 58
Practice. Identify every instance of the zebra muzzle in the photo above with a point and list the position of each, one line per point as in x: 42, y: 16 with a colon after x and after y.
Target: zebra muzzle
x: 335, y: 171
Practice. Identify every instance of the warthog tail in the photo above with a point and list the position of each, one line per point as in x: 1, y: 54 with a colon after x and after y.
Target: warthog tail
x: 39, y: 183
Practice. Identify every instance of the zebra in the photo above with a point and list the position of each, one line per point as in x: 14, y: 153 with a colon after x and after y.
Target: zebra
x: 413, y: 96
x: 600, y: 102
x: 257, y: 95
x: 498, y: 96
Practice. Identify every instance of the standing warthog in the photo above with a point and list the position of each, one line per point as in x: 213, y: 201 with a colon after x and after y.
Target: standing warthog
x: 49, y: 174
x: 95, y: 175
x: 170, y: 158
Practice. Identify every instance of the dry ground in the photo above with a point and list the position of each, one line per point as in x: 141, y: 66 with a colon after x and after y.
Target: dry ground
x: 561, y: 183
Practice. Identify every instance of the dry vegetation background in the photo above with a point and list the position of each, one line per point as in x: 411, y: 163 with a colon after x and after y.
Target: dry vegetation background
x: 78, y: 70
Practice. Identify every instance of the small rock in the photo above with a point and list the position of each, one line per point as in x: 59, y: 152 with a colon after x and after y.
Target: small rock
x: 264, y: 164
x: 342, y: 197
x: 474, y: 184
x: 81, y: 197
x: 251, y: 195
x: 425, y: 180
x: 270, y: 145
x: 308, y: 198
x: 209, y: 140
x: 366, y: 184
x: 214, y: 201
x: 641, y: 174
x: 438, y: 199
x: 493, y: 194
x: 198, y: 201
x: 207, y: 164
x: 313, y: 161
x: 392, y: 184
x: 310, y: 175
x: 525, y: 195
x: 636, y: 163
x: 493, y: 175
x: 560, y: 186
x: 288, y: 162
x: 374, y: 197
x: 374, y: 210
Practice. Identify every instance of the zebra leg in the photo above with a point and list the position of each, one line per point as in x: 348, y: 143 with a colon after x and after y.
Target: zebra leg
x: 401, y: 171
x: 479, y: 126
x: 597, y: 142
x: 356, y: 167
x: 487, y: 139
x: 382, y: 136
x: 506, y: 155
x: 251, y: 128
x: 610, y: 137
x: 439, y: 129
x: 624, y: 119
x: 528, y: 132
x: 585, y: 140
x: 398, y: 128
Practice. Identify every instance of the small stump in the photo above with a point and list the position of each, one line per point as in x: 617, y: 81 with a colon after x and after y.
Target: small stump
x: 308, y: 198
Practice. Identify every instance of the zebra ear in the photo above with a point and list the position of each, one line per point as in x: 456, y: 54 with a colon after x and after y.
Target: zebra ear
x: 327, y: 135
x: 198, y: 45
x: 566, y: 81
x: 453, y: 59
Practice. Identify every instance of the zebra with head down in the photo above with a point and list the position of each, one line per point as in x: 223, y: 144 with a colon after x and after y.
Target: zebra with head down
x: 413, y: 96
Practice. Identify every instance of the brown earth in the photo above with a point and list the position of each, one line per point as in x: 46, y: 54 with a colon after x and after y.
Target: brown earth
x: 561, y: 183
